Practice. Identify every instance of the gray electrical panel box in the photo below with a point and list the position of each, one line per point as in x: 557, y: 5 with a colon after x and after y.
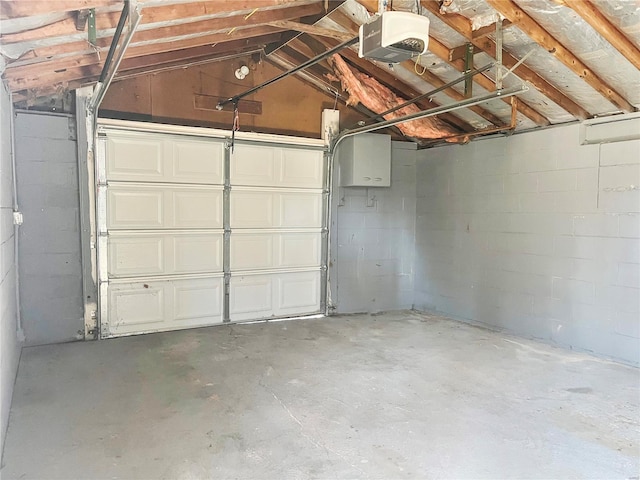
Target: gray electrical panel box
x: 365, y: 160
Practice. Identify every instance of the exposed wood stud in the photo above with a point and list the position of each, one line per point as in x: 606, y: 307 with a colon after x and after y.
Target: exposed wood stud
x: 311, y: 29
x: 537, y: 33
x: 601, y: 24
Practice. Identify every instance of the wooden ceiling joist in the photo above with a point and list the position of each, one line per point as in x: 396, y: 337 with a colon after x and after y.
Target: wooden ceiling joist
x: 18, y: 79
x: 311, y: 29
x: 537, y: 33
x: 463, y: 26
x: 173, y: 34
x: 16, y: 9
x: 601, y: 24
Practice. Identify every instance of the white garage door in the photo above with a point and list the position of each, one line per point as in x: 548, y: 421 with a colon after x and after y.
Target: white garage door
x: 192, y: 235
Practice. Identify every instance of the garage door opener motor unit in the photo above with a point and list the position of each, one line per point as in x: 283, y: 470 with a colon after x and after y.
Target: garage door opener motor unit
x: 393, y: 37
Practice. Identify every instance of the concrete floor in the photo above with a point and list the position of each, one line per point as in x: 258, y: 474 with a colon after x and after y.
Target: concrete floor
x: 398, y: 395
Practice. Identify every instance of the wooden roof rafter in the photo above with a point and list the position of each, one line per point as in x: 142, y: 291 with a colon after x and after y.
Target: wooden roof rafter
x: 463, y: 26
x: 537, y: 33
x: 601, y: 24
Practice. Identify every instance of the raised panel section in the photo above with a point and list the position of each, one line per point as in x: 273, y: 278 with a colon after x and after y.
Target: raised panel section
x: 271, y: 166
x: 252, y: 209
x: 134, y: 256
x: 298, y: 293
x: 197, y: 253
x: 197, y: 299
x: 148, y: 206
x: 135, y: 208
x: 134, y: 305
x: 301, y: 168
x: 197, y: 208
x: 160, y: 305
x: 197, y: 161
x: 134, y: 158
x: 261, y: 296
x: 300, y: 210
x: 252, y: 251
x: 299, y: 249
x: 250, y: 297
x: 274, y: 250
x: 156, y: 253
x: 253, y: 165
x: 275, y: 209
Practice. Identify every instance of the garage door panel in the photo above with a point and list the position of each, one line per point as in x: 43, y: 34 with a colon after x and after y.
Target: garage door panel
x: 298, y: 293
x: 250, y: 297
x: 250, y: 209
x: 148, y: 206
x: 197, y: 162
x: 300, y: 210
x: 259, y: 296
x: 253, y: 165
x: 299, y: 249
x: 196, y: 208
x: 251, y: 251
x: 160, y: 305
x: 197, y: 253
x: 131, y: 208
x: 136, y: 256
x: 274, y: 250
x: 134, y: 158
x: 275, y: 209
x: 197, y: 299
x: 136, y: 304
x: 301, y: 168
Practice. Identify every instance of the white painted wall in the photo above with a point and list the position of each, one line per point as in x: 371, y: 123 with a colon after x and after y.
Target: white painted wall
x: 534, y: 234
x: 9, y: 345
x: 373, y: 240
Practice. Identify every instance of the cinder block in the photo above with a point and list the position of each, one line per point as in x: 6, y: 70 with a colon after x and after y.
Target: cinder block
x: 550, y: 307
x: 596, y: 225
x: 557, y: 181
x: 615, y: 201
x: 537, y: 202
x: 577, y: 247
x: 41, y: 126
x: 351, y: 220
x: 619, y: 177
x: 620, y: 153
x: 521, y: 183
x: 576, y: 202
x: 627, y: 324
x: 629, y: 275
x: 587, y: 179
x: 532, y: 243
x: 629, y: 225
x: 623, y: 299
x: 573, y: 290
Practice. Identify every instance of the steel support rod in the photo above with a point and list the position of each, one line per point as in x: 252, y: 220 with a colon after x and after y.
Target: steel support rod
x: 302, y: 66
x: 466, y: 76
x: 431, y: 112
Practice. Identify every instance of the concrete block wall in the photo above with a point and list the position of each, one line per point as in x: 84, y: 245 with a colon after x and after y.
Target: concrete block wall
x: 534, y: 234
x: 50, y: 260
x: 10, y: 346
x: 373, y: 248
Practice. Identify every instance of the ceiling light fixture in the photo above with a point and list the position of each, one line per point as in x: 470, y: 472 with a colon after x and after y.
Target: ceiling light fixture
x: 242, y: 72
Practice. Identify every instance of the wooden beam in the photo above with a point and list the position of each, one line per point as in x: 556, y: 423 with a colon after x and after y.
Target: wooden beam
x: 488, y: 30
x: 460, y: 52
x: 27, y: 8
x: 601, y: 24
x: 43, y: 77
x: 311, y: 29
x: 537, y: 33
x: 463, y: 25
